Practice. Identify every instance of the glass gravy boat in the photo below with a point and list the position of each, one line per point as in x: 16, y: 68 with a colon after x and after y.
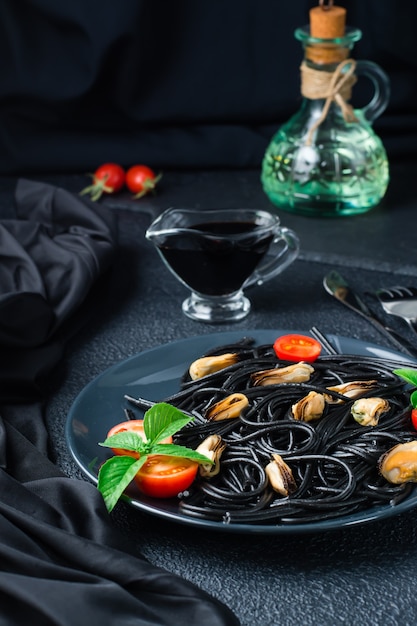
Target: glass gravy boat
x: 218, y: 253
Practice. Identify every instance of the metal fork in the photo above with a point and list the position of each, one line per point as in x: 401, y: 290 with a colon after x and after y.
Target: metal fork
x: 402, y: 302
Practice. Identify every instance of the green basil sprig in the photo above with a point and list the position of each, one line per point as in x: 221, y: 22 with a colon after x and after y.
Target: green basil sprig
x: 160, y: 421
x: 410, y: 376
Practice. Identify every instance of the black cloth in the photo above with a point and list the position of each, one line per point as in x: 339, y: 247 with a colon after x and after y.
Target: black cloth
x: 62, y: 562
x: 181, y: 84
x: 51, y: 256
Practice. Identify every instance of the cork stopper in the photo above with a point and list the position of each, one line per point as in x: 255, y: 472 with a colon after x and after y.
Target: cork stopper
x: 327, y: 22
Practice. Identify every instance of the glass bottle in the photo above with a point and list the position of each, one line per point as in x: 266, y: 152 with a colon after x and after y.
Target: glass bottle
x: 327, y: 160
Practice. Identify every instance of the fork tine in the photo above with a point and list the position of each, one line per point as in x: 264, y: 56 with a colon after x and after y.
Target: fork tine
x: 397, y: 292
x: 385, y: 294
x: 400, y: 292
x: 404, y: 292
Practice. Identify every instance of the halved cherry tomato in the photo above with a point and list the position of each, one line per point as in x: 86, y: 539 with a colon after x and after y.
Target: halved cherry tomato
x: 165, y: 476
x: 297, y: 348
x: 108, y: 178
x: 137, y: 426
x: 161, y: 476
x: 140, y: 180
x: 414, y: 417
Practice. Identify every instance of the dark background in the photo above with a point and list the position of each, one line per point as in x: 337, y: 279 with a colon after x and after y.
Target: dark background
x: 185, y: 84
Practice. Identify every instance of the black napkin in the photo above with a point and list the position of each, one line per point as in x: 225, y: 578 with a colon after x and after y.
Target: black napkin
x: 52, y: 255
x: 61, y: 559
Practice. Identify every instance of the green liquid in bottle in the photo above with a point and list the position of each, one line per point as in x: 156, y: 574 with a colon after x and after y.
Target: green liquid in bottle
x: 344, y: 172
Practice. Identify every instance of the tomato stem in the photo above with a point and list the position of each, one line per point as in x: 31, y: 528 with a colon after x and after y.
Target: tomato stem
x: 98, y: 187
x: 148, y: 186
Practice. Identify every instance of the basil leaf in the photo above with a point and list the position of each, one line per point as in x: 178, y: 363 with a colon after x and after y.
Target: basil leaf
x: 171, y: 449
x: 163, y: 420
x: 413, y: 399
x: 126, y: 440
x: 160, y: 421
x: 407, y: 374
x: 115, y: 475
x: 172, y: 428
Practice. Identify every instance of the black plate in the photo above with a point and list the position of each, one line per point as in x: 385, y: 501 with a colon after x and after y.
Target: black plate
x: 155, y: 375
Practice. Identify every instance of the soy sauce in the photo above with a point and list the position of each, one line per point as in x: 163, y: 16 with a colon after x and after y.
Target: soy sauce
x: 216, y: 258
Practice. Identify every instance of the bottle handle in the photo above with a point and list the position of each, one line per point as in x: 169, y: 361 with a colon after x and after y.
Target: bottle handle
x: 282, y: 251
x: 381, y: 84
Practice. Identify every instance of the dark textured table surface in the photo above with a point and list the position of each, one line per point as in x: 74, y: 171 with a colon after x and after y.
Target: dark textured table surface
x: 356, y: 575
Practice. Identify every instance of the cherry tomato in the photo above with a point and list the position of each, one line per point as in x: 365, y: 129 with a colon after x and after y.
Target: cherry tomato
x: 140, y: 180
x: 137, y: 426
x: 297, y: 348
x: 108, y: 178
x: 165, y: 476
x: 414, y: 417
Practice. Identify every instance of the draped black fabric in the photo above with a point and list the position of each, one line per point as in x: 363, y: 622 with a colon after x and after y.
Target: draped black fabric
x: 176, y: 84
x: 51, y: 256
x: 61, y: 560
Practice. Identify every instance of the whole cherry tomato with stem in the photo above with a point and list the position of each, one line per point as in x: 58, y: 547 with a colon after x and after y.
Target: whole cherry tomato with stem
x: 141, y: 180
x: 108, y: 178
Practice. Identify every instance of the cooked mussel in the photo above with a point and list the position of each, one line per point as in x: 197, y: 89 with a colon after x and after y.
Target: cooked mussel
x: 352, y: 389
x: 212, y: 447
x: 296, y: 373
x: 231, y: 406
x: 399, y: 464
x: 280, y: 476
x: 367, y: 411
x: 309, y: 408
x: 209, y: 364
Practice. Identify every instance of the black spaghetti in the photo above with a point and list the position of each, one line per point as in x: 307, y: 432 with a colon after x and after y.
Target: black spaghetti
x: 333, y: 459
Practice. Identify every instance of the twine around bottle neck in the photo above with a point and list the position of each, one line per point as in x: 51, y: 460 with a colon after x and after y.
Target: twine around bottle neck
x: 330, y: 86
